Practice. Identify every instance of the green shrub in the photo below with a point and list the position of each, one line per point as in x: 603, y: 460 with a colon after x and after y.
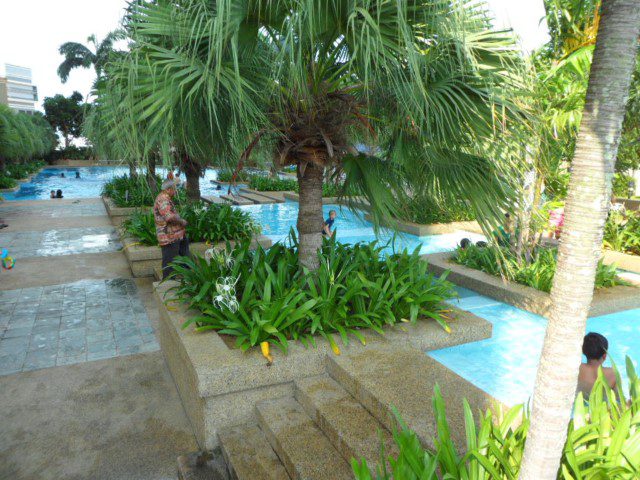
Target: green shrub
x: 602, y: 442
x: 19, y: 171
x: 226, y: 175
x: 426, y: 211
x: 537, y: 273
x: 7, y: 182
x: 205, y: 223
x: 622, y: 232
x: 128, y: 191
x: 273, y: 300
x: 621, y: 183
x: 272, y: 184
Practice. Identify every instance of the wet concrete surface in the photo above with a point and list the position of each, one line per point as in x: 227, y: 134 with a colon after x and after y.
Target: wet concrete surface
x: 118, y: 418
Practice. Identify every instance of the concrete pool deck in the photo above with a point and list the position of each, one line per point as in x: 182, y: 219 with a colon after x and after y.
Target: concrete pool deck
x: 115, y: 418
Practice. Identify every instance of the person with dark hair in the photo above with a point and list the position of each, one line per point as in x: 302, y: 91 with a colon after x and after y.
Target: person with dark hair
x: 62, y: 175
x: 77, y: 174
x: 464, y: 243
x: 53, y: 194
x: 59, y: 194
x: 481, y: 244
x: 594, y: 347
x: 328, y: 224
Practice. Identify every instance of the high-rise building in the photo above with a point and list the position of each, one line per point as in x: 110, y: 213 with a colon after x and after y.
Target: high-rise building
x: 16, y: 89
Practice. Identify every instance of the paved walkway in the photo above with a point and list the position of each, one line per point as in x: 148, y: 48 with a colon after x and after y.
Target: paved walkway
x: 84, y: 390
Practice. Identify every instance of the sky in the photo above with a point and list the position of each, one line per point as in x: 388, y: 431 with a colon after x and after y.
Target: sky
x: 32, y: 30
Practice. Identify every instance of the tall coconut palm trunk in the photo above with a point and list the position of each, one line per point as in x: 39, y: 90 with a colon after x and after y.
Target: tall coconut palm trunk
x: 192, y: 171
x: 310, y: 215
x: 580, y: 246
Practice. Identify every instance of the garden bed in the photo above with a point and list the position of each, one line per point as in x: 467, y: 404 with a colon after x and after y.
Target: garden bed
x: 143, y: 259
x: 119, y: 214
x: 605, y: 300
x: 219, y: 385
x: 422, y: 230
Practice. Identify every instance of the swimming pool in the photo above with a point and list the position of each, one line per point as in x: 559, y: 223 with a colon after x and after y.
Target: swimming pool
x: 505, y: 365
x: 277, y: 219
x: 89, y: 184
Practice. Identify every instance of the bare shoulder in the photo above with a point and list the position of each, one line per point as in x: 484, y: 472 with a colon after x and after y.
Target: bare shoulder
x: 610, y: 375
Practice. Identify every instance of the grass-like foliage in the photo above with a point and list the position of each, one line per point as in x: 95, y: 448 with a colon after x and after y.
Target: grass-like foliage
x: 356, y: 287
x: 262, y: 183
x: 537, y: 273
x: 128, y: 191
x: 602, y: 442
x: 205, y: 223
x: 272, y: 184
x: 622, y: 232
x: 426, y: 211
x: 226, y: 175
x: 19, y: 171
x: 7, y: 182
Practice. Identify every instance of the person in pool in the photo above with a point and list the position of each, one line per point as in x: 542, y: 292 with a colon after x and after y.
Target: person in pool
x: 53, y: 194
x: 77, y: 174
x: 594, y: 347
x: 62, y: 175
x: 328, y: 223
x: 59, y: 194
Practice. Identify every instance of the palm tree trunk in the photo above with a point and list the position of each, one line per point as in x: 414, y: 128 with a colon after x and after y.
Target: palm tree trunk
x: 151, y: 173
x: 585, y: 214
x: 192, y: 170
x: 310, y: 215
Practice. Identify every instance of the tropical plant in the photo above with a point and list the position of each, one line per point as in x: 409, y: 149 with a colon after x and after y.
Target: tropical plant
x: 270, y: 184
x: 23, y: 137
x: 7, y: 182
x: 126, y: 191
x: 227, y: 175
x: 537, y: 272
x: 18, y: 171
x: 65, y: 115
x: 211, y: 223
x: 622, y: 232
x: 425, y: 210
x: 310, y: 81
x: 77, y: 55
x: 602, y: 441
x: 274, y: 300
x: 586, y: 209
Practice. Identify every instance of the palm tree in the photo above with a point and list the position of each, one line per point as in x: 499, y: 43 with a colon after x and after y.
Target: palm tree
x: 423, y: 83
x: 586, y: 210
x: 77, y: 55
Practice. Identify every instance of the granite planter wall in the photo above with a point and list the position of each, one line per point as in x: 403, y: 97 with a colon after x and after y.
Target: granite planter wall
x: 119, y: 214
x: 143, y: 259
x: 422, y: 230
x: 624, y: 261
x: 605, y: 300
x: 220, y: 385
x: 629, y: 203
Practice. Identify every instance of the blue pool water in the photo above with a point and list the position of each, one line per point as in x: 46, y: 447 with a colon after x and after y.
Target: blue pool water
x: 277, y: 220
x: 505, y: 365
x: 89, y: 184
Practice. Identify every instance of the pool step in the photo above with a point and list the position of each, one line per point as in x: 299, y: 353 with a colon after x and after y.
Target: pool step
x: 405, y: 379
x: 275, y: 196
x: 305, y: 452
x: 236, y: 200
x: 214, y: 199
x: 248, y: 454
x: 258, y: 199
x: 352, y: 430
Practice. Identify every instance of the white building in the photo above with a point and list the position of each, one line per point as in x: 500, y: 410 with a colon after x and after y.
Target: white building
x: 16, y: 89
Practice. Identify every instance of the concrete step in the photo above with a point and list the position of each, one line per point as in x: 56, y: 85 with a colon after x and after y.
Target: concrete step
x: 256, y: 198
x: 381, y: 379
x: 202, y: 466
x: 236, y: 200
x: 352, y: 430
x: 249, y: 456
x: 275, y: 196
x: 301, y: 446
x: 157, y: 273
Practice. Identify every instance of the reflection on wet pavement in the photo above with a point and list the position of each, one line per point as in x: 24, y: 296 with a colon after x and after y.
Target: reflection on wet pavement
x: 61, y: 242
